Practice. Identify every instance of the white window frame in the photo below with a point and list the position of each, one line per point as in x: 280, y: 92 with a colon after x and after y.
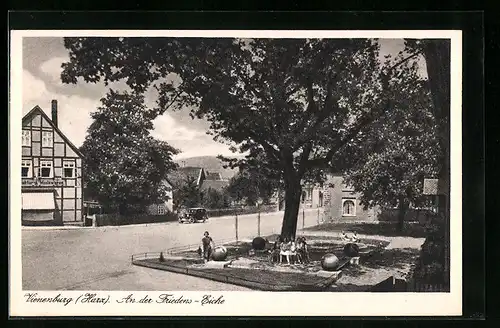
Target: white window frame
x: 44, y: 163
x: 69, y: 165
x: 29, y: 164
x: 26, y: 138
x: 344, y: 200
x: 47, y: 138
x: 162, y: 210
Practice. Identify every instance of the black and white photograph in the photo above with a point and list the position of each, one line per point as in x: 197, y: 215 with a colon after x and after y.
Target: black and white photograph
x: 236, y: 170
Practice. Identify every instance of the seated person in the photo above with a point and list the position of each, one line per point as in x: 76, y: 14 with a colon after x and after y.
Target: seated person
x: 300, y: 258
x: 275, y: 250
x: 302, y: 251
x: 286, y: 250
x: 293, y: 250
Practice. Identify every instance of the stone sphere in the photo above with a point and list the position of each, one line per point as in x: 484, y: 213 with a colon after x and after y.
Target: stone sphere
x: 330, y: 262
x: 258, y: 243
x: 351, y: 250
x: 219, y: 253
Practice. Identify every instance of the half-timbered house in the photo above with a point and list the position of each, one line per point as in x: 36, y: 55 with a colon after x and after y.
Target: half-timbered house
x: 51, y: 172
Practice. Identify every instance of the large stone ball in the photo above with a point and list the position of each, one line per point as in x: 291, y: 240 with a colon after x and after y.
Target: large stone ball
x: 330, y: 262
x: 219, y: 253
x: 258, y: 243
x: 351, y: 250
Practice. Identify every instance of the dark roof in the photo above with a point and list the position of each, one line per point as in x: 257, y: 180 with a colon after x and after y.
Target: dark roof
x: 213, y: 176
x: 214, y: 184
x: 38, y: 110
x: 179, y: 176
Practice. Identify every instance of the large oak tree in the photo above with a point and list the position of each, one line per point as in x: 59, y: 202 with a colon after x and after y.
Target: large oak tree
x: 297, y: 102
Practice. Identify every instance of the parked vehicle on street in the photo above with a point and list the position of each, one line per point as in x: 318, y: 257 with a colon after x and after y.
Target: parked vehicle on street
x: 193, y: 215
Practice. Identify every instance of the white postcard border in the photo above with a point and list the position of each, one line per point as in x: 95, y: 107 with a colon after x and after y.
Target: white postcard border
x: 242, y: 303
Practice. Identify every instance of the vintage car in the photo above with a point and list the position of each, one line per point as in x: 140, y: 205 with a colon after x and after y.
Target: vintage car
x: 193, y: 215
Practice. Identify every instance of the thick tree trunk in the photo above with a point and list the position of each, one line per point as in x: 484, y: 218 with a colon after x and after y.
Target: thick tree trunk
x: 293, y: 191
x: 401, y: 214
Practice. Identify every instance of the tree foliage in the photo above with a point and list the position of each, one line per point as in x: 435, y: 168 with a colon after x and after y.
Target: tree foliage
x: 124, y: 165
x: 296, y: 103
x: 399, y: 152
x: 187, y: 194
x: 250, y: 186
x: 215, y: 199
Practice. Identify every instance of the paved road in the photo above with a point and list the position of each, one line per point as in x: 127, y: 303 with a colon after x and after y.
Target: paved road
x: 99, y: 258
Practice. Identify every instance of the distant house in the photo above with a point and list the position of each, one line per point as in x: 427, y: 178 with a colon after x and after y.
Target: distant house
x: 179, y: 177
x: 214, y: 181
x: 51, y: 172
x: 213, y: 176
x: 336, y: 200
x: 218, y: 185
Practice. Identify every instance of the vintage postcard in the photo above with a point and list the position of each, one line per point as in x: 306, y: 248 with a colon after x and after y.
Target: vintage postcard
x: 235, y: 173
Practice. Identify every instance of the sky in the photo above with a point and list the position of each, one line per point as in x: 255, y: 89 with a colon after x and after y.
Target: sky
x: 42, y: 58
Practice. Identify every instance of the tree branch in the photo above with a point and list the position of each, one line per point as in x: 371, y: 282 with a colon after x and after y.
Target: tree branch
x: 322, y: 115
x: 364, y: 121
x: 304, y: 158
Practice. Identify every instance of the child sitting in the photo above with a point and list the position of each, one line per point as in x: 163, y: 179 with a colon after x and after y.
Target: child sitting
x: 302, y: 253
x: 275, y: 250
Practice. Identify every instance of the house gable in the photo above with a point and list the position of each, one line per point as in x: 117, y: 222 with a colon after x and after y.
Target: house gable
x: 37, y: 118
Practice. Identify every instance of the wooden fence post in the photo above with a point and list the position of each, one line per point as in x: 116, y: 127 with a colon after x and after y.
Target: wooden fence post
x: 236, y: 225
x: 258, y: 223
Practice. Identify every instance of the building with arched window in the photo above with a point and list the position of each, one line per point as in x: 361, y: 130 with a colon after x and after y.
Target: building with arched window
x: 338, y: 200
